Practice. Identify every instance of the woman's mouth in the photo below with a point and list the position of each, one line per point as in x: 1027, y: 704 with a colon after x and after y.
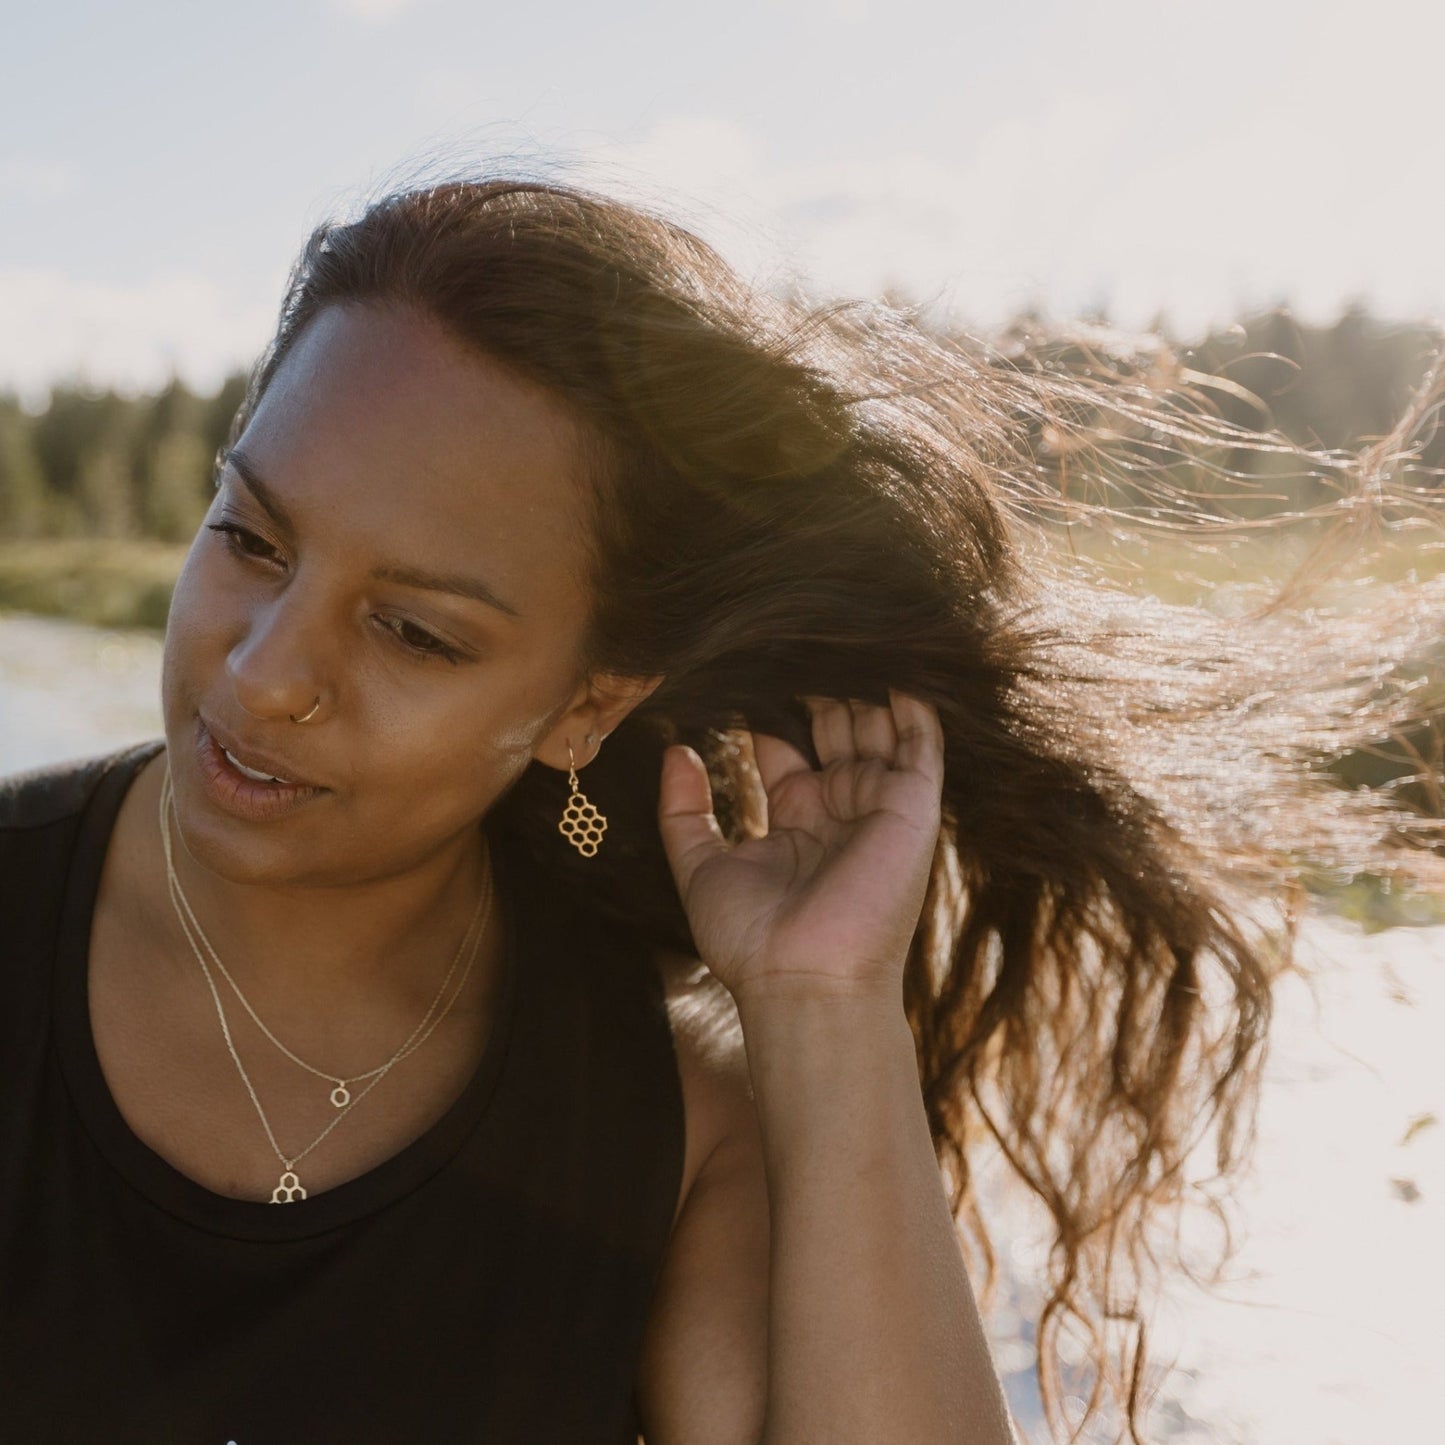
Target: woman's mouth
x: 251, y: 772
x: 244, y: 791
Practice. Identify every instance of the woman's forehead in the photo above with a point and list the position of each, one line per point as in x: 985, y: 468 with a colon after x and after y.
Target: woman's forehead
x: 380, y: 412
x: 365, y: 376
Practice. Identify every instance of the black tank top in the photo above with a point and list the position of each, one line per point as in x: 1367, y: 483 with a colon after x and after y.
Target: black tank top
x: 488, y: 1283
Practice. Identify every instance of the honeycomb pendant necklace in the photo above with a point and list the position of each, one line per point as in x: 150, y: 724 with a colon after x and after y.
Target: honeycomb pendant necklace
x: 289, y: 1188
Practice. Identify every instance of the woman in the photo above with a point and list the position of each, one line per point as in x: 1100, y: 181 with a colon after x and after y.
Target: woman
x: 617, y: 742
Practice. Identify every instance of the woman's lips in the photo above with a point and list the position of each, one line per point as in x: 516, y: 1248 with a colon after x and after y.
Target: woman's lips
x: 251, y: 759
x: 251, y: 772
x: 244, y: 797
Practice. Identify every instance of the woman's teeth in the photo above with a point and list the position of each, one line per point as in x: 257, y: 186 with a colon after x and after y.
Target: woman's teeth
x: 251, y: 772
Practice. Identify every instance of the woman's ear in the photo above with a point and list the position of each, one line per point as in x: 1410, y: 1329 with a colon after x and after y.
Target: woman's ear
x: 603, y: 701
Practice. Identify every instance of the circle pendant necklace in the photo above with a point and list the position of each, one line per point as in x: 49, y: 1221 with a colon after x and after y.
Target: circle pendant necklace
x: 289, y: 1188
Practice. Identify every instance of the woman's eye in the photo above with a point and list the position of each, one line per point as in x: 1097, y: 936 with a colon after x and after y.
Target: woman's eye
x: 244, y: 543
x: 417, y: 640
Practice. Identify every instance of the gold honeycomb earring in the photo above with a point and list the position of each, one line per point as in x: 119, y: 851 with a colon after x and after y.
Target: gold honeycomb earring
x: 582, y: 825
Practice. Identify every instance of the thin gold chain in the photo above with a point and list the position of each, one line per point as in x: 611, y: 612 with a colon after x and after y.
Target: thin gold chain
x: 339, y: 1082
x: 417, y: 1038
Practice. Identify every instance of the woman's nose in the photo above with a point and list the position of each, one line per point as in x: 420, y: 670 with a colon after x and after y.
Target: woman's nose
x: 275, y: 668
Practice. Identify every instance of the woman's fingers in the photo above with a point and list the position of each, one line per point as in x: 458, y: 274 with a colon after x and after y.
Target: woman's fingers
x: 920, y: 736
x: 874, y: 733
x: 832, y: 729
x: 776, y: 759
x: 906, y: 735
x: 690, y: 832
x: 846, y: 730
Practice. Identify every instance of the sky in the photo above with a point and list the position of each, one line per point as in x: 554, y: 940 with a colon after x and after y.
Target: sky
x: 160, y: 164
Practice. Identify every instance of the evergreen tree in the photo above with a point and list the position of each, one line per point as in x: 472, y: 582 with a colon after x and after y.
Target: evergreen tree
x: 24, y: 509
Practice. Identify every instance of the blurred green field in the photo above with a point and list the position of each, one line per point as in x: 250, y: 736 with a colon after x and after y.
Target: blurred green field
x: 109, y: 583
x: 1190, y: 569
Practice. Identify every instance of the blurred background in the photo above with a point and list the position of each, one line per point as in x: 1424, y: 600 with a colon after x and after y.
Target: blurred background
x: 1253, y: 183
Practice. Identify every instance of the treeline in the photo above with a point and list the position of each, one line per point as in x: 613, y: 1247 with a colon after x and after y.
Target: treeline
x: 103, y: 465
x: 99, y: 464
x: 1329, y: 388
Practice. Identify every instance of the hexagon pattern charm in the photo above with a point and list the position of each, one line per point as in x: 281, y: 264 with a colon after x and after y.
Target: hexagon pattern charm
x: 582, y: 825
x: 289, y: 1190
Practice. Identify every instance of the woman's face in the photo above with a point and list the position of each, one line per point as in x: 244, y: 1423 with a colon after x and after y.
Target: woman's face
x: 406, y: 542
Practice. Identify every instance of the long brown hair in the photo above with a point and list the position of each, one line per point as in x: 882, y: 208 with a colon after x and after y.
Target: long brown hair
x: 795, y: 498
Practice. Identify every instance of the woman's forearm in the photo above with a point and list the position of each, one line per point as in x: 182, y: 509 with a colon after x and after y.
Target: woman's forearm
x: 874, y: 1333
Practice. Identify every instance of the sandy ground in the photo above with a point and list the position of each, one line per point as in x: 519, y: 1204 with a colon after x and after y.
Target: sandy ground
x: 1332, y: 1325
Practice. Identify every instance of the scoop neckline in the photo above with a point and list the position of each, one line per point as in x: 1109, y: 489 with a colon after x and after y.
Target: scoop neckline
x: 154, y: 1177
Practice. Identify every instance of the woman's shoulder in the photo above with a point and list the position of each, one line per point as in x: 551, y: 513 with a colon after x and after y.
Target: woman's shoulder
x: 712, y: 1063
x: 54, y: 792
x: 54, y: 821
x: 39, y: 796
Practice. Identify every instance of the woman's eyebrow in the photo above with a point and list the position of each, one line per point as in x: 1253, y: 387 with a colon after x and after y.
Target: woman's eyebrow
x: 268, y: 501
x: 453, y: 582
x: 403, y: 575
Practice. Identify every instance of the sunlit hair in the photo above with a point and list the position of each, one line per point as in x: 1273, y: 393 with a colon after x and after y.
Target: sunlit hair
x: 794, y: 498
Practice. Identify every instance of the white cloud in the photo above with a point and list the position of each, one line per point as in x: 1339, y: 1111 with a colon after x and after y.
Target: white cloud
x: 132, y: 337
x: 1086, y: 195
x: 26, y: 178
x: 980, y: 233
x: 707, y: 172
x: 1151, y: 159
x: 372, y: 12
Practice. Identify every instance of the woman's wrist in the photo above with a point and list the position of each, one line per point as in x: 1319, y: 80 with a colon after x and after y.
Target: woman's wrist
x: 826, y: 995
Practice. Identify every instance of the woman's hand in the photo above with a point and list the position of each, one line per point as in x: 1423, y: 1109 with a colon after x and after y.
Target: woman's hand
x: 827, y: 901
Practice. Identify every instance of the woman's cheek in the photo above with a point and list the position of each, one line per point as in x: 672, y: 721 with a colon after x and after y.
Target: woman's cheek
x: 203, y: 613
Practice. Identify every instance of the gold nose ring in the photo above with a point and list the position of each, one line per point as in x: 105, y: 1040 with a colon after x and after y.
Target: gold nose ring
x: 307, y: 716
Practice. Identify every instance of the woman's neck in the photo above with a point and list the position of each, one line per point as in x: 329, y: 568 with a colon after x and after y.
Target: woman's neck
x: 356, y: 957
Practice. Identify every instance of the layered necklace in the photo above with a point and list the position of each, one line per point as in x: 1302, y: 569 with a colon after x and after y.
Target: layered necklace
x: 289, y: 1189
